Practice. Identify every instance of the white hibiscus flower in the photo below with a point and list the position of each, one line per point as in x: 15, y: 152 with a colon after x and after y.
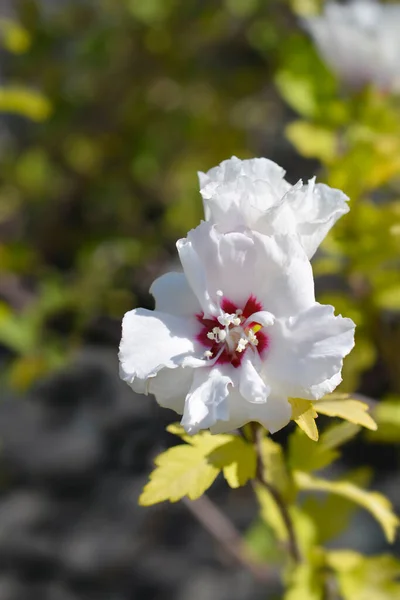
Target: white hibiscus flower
x: 360, y: 42
x: 254, y: 194
x: 236, y: 334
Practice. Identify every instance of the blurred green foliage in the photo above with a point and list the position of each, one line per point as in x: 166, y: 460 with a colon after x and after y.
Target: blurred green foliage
x: 130, y: 99
x: 356, y: 138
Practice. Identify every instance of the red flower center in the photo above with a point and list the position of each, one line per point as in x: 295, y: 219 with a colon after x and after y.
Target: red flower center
x: 230, y: 335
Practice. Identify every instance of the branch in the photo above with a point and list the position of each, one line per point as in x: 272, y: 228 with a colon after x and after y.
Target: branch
x: 258, y: 434
x: 223, y: 530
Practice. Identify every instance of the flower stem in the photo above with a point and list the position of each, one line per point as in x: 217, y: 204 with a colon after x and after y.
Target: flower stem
x: 293, y: 547
x: 223, y: 530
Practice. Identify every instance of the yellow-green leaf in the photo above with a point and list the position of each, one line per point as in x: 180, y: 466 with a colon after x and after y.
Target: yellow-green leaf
x: 298, y: 91
x: 204, y: 439
x: 177, y: 429
x: 312, y: 141
x: 388, y: 298
x: 238, y: 460
x: 270, y: 513
x: 363, y: 578
x: 306, y: 534
x: 346, y: 408
x: 375, y: 503
x: 263, y: 544
x: 306, y: 584
x: 181, y: 471
x: 337, y: 435
x: 306, y: 455
x: 305, y: 7
x: 331, y: 515
x: 276, y: 471
x: 306, y: 581
x: 304, y: 416
x: 25, y: 102
x: 387, y: 414
x: 14, y: 37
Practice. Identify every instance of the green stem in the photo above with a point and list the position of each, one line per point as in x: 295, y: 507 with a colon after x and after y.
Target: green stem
x: 293, y: 547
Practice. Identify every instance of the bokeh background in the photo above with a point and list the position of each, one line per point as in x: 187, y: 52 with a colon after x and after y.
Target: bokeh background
x: 108, y: 110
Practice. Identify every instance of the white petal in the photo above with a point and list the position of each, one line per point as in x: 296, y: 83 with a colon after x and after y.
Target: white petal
x: 262, y: 317
x: 283, y: 279
x: 251, y: 386
x: 273, y: 414
x: 264, y: 169
x: 305, y: 353
x: 328, y: 386
x: 240, y: 203
x: 359, y: 41
x: 228, y: 170
x: 255, y: 169
x: 278, y: 412
x: 174, y: 295
x: 170, y: 387
x: 274, y: 269
x: 152, y: 340
x: 194, y: 266
x: 206, y: 402
x: 317, y: 208
x: 213, y: 261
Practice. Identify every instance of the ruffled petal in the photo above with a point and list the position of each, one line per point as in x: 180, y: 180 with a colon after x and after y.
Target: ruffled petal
x: 194, y: 266
x: 152, y: 340
x: 317, y: 208
x: 283, y: 279
x: 226, y: 171
x: 173, y: 295
x: 251, y: 386
x: 305, y: 353
x: 206, y: 402
x: 213, y: 261
x: 350, y: 38
x: 254, y: 169
x: 274, y: 269
x: 277, y: 414
x: 170, y: 387
x: 274, y: 414
x: 239, y: 203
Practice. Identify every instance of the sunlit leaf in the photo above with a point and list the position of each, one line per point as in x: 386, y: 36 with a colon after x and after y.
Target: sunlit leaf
x: 388, y: 298
x: 361, y: 577
x: 304, y: 415
x: 387, y: 414
x: 237, y: 458
x: 177, y: 429
x: 262, y: 542
x: 375, y: 503
x: 307, y: 578
x: 207, y: 455
x: 305, y: 7
x: 347, y: 408
x: 270, y: 513
x: 17, y: 333
x: 312, y: 141
x: 180, y: 471
x: 27, y: 369
x: 333, y: 514
x: 25, y: 102
x: 298, y: 91
x: 275, y: 468
x: 306, y: 584
x: 13, y: 36
x: 306, y: 455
